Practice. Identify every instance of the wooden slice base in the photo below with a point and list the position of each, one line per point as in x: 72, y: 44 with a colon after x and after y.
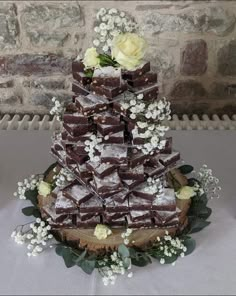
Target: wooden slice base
x: 141, y: 238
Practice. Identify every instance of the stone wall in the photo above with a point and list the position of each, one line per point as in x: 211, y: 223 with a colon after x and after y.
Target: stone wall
x: 192, y: 45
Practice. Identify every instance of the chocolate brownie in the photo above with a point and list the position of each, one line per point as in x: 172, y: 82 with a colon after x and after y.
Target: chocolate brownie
x: 114, y: 138
x: 105, y: 129
x: 143, y: 80
x: 145, y: 223
x: 107, y: 76
x: 78, y: 89
x: 101, y: 170
x: 107, y: 118
x: 63, y: 205
x: 140, y: 215
x: 165, y: 201
x: 136, y: 173
x: 110, y: 182
x: 92, y: 205
x: 113, y: 206
x: 77, y: 193
x: 82, y: 78
x: 169, y: 159
x: 114, y: 154
x: 134, y: 74
x: 108, y: 91
x: 78, y: 66
x: 139, y: 204
x: 91, y: 104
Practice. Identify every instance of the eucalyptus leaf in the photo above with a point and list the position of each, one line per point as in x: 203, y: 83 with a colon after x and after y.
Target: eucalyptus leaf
x: 81, y: 256
x: 193, y: 181
x: 190, y: 244
x: 198, y: 224
x: 87, y: 265
x: 185, y: 169
x: 67, y: 255
x: 123, y: 251
x: 205, y: 213
x: 31, y: 211
x: 126, y: 262
x: 141, y: 260
x: 32, y: 196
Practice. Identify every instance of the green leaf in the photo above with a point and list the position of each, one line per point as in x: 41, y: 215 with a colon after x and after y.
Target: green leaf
x: 198, y: 224
x: 123, y: 251
x: 81, y: 256
x: 185, y: 169
x: 50, y: 168
x: 67, y: 255
x: 31, y: 211
x: 32, y: 196
x: 192, y: 181
x: 89, y: 73
x: 141, y: 260
x: 205, y: 213
x: 190, y: 244
x: 87, y: 265
x: 126, y: 262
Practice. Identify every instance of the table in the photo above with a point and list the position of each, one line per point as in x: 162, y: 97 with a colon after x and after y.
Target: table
x: 211, y: 269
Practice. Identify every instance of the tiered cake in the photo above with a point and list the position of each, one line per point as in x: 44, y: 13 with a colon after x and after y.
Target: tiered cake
x: 115, y: 182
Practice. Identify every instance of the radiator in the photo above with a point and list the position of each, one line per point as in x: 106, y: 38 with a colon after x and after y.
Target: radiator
x: 46, y: 122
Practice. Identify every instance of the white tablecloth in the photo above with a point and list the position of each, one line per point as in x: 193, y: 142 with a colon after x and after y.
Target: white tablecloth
x: 211, y: 269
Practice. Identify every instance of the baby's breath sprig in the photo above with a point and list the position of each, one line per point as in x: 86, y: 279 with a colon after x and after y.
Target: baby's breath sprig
x: 92, y: 146
x: 112, y: 265
x: 28, y: 184
x: 151, y: 117
x: 110, y: 23
x: 35, y: 234
x: 209, y: 183
x: 57, y: 109
x: 63, y: 177
x: 168, y: 249
x: 125, y: 235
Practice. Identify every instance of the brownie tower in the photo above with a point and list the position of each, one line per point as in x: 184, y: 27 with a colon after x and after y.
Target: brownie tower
x: 115, y: 183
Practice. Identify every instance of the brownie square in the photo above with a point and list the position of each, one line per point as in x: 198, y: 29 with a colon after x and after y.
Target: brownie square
x: 130, y: 184
x: 92, y: 205
x: 107, y: 118
x: 63, y: 205
x: 91, y: 104
x: 140, y: 215
x: 145, y: 223
x: 169, y: 159
x: 110, y: 182
x: 136, y: 173
x: 137, y: 203
x: 145, y: 191
x: 165, y: 201
x: 113, y: 206
x: 114, y: 154
x: 101, y: 170
x: 105, y: 129
x: 143, y: 80
x: 134, y: 74
x: 77, y: 193
x: 108, y: 91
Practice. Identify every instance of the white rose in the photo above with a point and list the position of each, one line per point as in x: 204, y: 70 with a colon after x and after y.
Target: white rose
x: 91, y: 59
x: 186, y: 192
x: 128, y: 49
x: 44, y: 188
x: 102, y: 231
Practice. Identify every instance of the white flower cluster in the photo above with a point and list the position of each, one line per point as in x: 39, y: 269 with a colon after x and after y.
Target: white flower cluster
x: 125, y: 235
x: 150, y: 121
x: 28, y: 184
x: 36, y: 237
x: 169, y: 247
x: 111, y: 266
x: 57, y: 109
x: 209, y: 183
x: 110, y: 23
x: 91, y: 146
x: 155, y: 186
x: 63, y: 178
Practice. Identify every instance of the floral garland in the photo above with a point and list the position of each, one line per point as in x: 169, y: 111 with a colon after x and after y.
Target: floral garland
x: 39, y: 236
